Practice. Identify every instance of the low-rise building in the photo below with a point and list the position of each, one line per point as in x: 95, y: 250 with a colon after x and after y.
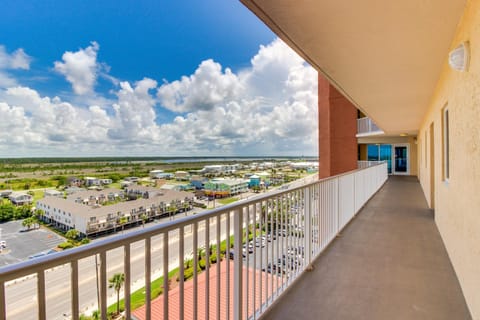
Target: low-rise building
x: 182, y: 176
x: 220, y: 188
x: 20, y: 198
x: 5, y: 193
x: 156, y: 174
x: 52, y: 193
x: 68, y: 214
x: 92, y: 181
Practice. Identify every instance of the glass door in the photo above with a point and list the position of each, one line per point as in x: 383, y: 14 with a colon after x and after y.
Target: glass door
x: 400, y: 159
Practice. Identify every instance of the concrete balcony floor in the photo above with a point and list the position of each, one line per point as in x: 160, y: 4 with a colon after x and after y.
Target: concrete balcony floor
x: 388, y: 263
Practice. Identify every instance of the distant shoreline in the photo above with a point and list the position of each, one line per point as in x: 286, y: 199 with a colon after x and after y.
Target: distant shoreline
x: 160, y: 159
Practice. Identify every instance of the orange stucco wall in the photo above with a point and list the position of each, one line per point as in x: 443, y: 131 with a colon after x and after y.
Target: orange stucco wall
x: 337, y: 126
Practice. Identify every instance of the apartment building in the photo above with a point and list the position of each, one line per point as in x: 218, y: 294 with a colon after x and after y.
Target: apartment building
x: 89, y: 217
x: 225, y: 187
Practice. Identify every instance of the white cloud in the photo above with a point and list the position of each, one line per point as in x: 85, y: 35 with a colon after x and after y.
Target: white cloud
x: 269, y: 108
x: 80, y: 68
x: 202, y: 90
x: 134, y: 113
x: 16, y: 60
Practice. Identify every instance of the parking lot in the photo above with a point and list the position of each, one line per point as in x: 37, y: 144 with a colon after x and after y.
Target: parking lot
x: 21, y: 244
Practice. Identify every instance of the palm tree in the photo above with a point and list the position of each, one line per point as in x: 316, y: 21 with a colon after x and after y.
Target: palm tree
x: 122, y: 222
x: 72, y: 234
x: 116, y: 282
x: 144, y: 219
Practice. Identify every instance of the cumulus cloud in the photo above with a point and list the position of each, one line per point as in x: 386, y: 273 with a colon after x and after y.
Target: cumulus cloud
x: 202, y: 90
x: 269, y: 108
x: 80, y: 68
x: 11, y: 61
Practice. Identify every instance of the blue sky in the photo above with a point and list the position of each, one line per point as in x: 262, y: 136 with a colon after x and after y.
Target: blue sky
x: 85, y: 78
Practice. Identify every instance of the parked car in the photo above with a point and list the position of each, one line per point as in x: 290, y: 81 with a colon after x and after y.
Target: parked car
x: 248, y: 247
x: 231, y: 254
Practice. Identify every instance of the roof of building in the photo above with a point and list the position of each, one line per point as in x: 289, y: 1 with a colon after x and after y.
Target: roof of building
x: 126, y: 207
x: 85, y: 194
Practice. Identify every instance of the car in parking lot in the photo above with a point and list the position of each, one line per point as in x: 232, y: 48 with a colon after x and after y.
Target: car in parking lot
x: 231, y: 254
x: 248, y: 247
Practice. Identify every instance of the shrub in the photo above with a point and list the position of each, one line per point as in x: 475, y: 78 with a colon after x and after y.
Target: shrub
x: 85, y: 241
x: 213, y: 258
x: 201, y: 264
x: 66, y: 245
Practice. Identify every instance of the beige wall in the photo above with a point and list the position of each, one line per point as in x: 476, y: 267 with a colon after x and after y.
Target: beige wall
x: 457, y: 201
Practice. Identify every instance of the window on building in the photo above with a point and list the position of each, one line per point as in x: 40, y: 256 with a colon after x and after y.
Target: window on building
x: 446, y: 144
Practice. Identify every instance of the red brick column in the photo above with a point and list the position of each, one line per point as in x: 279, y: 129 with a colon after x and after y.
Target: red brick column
x: 337, y: 126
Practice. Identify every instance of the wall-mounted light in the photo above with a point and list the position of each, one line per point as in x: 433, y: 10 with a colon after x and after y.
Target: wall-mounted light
x: 403, y: 134
x: 459, y: 58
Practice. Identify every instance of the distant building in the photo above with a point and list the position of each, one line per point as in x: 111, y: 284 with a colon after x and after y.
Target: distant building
x: 5, y: 193
x: 303, y: 165
x: 254, y: 181
x: 156, y: 174
x: 20, y: 198
x: 94, y: 197
x: 106, y: 181
x: 220, y: 188
x: 137, y: 191
x: 91, y: 181
x: 198, y: 182
x: 52, y: 193
x: 74, y: 182
x: 182, y: 176
x: 218, y: 169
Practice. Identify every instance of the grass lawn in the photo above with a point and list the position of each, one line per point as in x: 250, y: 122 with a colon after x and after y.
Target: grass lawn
x: 227, y: 200
x: 37, y: 195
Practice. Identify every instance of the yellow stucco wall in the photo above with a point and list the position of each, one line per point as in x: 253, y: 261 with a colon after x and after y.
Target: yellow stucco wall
x: 457, y: 201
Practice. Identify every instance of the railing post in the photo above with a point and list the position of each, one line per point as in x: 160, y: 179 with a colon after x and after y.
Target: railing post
x: 42, y: 310
x: 3, y: 309
x: 126, y: 264
x: 308, y: 228
x: 103, y: 285
x: 237, y: 265
x: 74, y: 288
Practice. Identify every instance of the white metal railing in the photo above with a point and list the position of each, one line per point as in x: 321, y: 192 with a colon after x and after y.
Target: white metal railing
x: 362, y: 164
x: 267, y: 242
x: 365, y: 126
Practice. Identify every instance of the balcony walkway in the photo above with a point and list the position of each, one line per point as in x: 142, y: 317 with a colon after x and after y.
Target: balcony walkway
x: 388, y: 263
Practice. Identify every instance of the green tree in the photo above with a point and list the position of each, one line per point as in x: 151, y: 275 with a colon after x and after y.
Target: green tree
x: 39, y: 214
x: 7, y: 212
x: 28, y: 222
x: 72, y: 234
x: 116, y: 282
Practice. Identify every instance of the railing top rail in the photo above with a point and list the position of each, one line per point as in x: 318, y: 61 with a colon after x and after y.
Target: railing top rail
x: 24, y: 268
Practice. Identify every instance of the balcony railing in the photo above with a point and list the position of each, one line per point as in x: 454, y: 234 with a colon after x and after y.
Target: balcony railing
x: 366, y: 127
x: 362, y: 164
x: 266, y: 241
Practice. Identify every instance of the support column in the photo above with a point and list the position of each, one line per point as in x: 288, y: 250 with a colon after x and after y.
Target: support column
x: 337, y: 126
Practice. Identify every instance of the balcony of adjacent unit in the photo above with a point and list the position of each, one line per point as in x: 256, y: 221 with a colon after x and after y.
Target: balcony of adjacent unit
x: 366, y: 127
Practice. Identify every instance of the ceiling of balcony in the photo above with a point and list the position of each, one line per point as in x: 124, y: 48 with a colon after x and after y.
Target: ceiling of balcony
x: 385, y: 56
